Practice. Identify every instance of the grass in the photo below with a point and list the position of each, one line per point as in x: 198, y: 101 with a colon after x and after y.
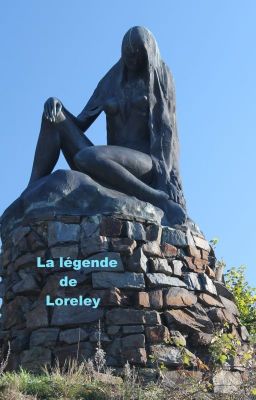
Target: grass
x: 83, y: 382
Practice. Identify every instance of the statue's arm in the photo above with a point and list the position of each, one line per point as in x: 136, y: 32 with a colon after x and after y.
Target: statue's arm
x: 82, y: 122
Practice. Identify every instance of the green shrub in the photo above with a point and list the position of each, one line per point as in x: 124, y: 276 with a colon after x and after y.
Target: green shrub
x: 245, y: 296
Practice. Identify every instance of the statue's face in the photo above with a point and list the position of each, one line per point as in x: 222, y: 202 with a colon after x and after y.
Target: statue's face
x: 134, y: 53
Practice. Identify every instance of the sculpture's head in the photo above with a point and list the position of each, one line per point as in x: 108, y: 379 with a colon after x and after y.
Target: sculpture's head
x: 139, y: 47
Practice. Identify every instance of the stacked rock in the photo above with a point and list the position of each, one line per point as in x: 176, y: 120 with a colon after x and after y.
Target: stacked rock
x: 161, y: 303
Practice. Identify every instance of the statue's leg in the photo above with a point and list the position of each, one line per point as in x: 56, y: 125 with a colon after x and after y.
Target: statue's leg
x: 53, y: 137
x: 124, y: 169
x: 130, y: 172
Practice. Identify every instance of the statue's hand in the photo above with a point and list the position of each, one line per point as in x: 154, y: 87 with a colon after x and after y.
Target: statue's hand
x: 52, y: 108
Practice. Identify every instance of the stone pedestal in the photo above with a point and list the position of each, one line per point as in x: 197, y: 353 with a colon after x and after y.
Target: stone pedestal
x: 160, y: 303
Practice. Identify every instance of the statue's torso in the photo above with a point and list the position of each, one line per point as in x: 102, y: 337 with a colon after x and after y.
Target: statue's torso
x: 127, y: 117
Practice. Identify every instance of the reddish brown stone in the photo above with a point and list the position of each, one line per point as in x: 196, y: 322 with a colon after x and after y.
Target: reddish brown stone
x: 188, y: 320
x: 142, y: 299
x: 110, y: 227
x: 209, y: 300
x: 169, y: 250
x: 210, y: 272
x: 205, y: 255
x: 200, y: 264
x: 189, y: 262
x: 134, y: 356
x: 201, y: 243
x: 110, y: 297
x: 157, y: 334
x: 156, y: 299
x: 179, y: 297
x: 193, y: 252
x: 123, y: 245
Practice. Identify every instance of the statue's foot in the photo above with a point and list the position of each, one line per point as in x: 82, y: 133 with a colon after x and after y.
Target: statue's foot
x: 174, y: 214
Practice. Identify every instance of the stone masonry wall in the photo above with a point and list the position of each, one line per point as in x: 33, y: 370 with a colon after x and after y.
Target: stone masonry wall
x: 161, y: 303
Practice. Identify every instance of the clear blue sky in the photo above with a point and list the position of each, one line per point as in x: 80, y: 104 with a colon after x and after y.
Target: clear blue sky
x: 62, y: 48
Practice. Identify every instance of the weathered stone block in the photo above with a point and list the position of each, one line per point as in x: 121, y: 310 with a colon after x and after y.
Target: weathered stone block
x: 209, y: 301
x: 199, y: 282
x: 201, y: 243
x: 193, y: 251
x: 135, y: 231
x: 174, y: 237
x: 27, y: 260
x: 142, y: 299
x: 138, y: 261
x: 227, y: 382
x: 160, y: 265
x: 65, y: 251
x: 177, y: 267
x: 159, y: 280
x: 109, y: 297
x: 230, y: 305
x: 94, y: 245
x: 129, y: 316
x: 19, y: 233
x: 188, y: 321
x: 75, y: 352
x: 35, y: 242
x: 157, y: 334
x: 156, y: 299
x: 46, y: 337
x: 20, y: 342
x: 114, y: 329
x: 14, y: 314
x: 97, y: 336
x: 154, y: 233
x: 169, y: 250
x: 37, y: 317
x: 171, y: 356
x: 89, y: 229
x: 152, y: 249
x: 70, y: 316
x: 111, y: 227
x: 27, y: 286
x: 123, y: 245
x: 128, y: 329
x: 126, y: 280
x: 178, y: 297
x: 75, y: 335
x: 177, y: 339
x: 62, y: 233
x: 133, y: 341
x: 36, y: 358
x: 223, y: 291
x: 135, y: 356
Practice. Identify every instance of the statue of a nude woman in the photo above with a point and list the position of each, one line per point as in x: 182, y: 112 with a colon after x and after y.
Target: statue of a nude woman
x: 141, y: 155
